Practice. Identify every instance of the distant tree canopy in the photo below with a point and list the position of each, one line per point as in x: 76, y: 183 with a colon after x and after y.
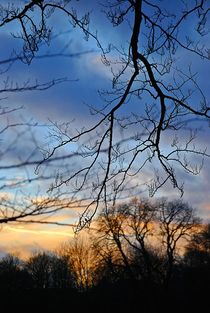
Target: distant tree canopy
x: 144, y: 129
x: 138, y: 244
x: 139, y: 240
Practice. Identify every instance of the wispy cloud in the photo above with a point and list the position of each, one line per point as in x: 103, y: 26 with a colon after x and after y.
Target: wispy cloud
x: 40, y: 232
x: 25, y: 239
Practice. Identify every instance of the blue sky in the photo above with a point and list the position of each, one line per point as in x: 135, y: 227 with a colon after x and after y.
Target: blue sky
x: 68, y: 101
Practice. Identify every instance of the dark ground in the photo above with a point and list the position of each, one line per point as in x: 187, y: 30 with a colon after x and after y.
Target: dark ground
x: 109, y: 298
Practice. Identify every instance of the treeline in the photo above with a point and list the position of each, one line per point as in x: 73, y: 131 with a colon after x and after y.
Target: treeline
x: 136, y: 254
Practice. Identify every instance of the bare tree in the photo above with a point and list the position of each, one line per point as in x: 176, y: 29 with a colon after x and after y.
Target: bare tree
x: 111, y: 229
x: 19, y: 146
x: 13, y: 275
x: 39, y: 267
x: 109, y: 266
x: 177, y: 222
x: 82, y: 261
x: 149, y: 237
x: 147, y: 74
x: 141, y: 216
x: 128, y: 229
x: 197, y: 252
x: 61, y: 274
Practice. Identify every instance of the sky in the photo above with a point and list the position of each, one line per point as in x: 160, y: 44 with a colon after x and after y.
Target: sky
x: 77, y: 63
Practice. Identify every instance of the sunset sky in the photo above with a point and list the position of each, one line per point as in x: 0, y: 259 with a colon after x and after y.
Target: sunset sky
x: 80, y: 64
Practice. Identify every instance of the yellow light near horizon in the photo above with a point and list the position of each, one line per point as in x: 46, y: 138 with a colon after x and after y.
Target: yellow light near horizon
x: 39, y: 232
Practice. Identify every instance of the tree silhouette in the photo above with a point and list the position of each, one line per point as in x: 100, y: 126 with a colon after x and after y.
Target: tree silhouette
x: 147, y: 236
x: 198, y: 249
x: 177, y: 222
x: 39, y: 267
x: 81, y: 260
x: 13, y: 275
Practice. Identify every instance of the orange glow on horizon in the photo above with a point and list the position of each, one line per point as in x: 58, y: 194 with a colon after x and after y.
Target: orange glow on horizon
x: 23, y: 240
